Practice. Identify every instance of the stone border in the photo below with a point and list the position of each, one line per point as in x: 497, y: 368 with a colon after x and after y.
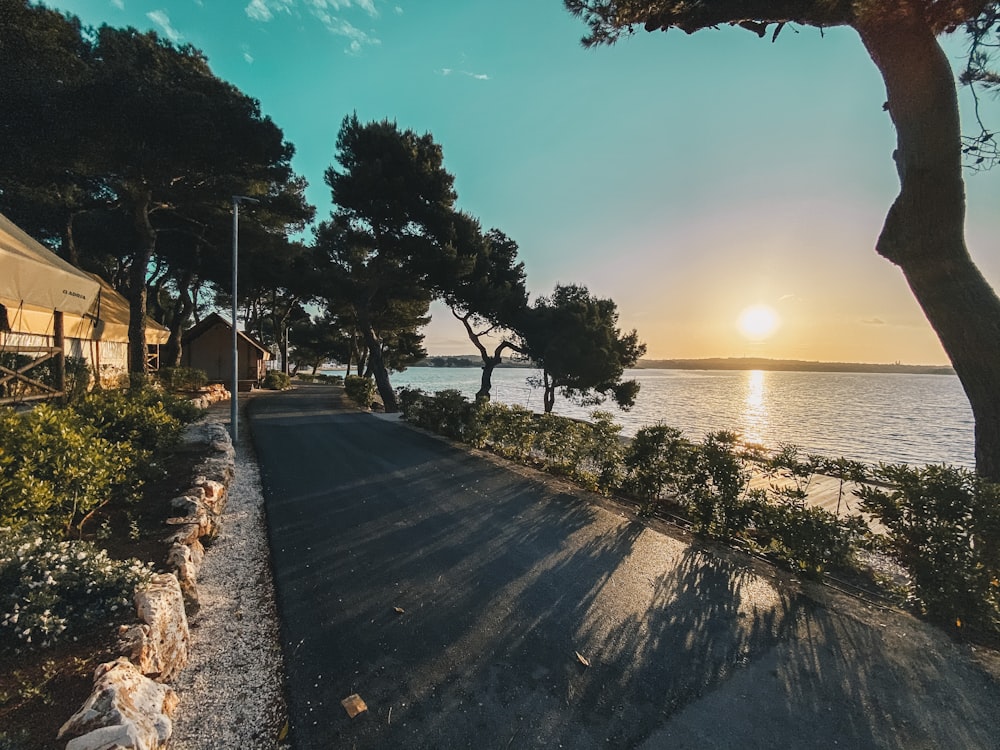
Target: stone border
x: 131, y: 706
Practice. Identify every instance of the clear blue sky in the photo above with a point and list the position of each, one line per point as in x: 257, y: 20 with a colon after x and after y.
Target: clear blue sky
x: 686, y: 177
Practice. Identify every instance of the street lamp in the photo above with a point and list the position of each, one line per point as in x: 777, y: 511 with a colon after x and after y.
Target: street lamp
x: 234, y: 396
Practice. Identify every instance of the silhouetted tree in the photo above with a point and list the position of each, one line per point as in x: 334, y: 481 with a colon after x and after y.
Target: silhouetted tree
x: 393, y: 210
x: 573, y: 336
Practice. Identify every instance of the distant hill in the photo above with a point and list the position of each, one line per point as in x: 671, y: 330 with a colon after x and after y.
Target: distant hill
x: 787, y: 365
x: 716, y: 363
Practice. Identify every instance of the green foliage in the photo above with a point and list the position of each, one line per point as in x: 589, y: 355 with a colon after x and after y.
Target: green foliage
x: 447, y: 412
x: 944, y: 524
x: 305, y: 377
x: 506, y: 430
x: 51, y: 591
x: 715, y: 487
x: 182, y: 379
x: 573, y: 336
x: 360, y: 390
x: 332, y: 379
x: 55, y: 468
x: 654, y: 460
x: 147, y: 418
x: 276, y: 380
x: 812, y: 539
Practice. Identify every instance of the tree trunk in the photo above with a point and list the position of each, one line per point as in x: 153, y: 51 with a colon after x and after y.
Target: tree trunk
x: 183, y: 308
x: 376, y: 364
x: 548, y: 392
x: 924, y: 229
x: 145, y: 237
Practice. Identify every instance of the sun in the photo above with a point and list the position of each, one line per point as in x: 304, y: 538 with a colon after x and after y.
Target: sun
x: 757, y: 322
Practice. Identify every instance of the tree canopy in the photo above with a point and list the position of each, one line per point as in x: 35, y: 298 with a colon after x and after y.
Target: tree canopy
x: 573, y: 337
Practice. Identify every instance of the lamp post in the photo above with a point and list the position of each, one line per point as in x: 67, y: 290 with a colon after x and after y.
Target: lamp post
x: 234, y: 396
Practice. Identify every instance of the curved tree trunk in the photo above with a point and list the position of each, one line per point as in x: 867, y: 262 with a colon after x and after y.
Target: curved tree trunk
x: 376, y: 363
x: 924, y: 231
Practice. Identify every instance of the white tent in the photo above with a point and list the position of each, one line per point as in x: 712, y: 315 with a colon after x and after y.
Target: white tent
x: 32, y: 276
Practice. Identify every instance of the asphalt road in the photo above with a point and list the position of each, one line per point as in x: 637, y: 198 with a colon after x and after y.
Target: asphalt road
x: 503, y: 577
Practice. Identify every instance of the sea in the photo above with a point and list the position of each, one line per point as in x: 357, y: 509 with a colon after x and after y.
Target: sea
x: 870, y: 417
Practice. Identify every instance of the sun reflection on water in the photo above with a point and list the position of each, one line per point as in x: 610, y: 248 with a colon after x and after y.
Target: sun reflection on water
x: 754, y: 408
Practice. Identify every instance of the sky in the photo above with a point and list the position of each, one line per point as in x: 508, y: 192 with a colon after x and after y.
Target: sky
x: 688, y: 178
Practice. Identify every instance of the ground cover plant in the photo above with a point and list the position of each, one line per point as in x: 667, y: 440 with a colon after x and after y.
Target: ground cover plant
x: 84, y: 491
x: 943, y: 526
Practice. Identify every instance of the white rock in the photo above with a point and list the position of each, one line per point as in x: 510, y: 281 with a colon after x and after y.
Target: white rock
x: 126, y: 710
x: 160, y: 605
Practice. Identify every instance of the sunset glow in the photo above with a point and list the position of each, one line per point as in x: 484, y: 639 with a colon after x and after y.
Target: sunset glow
x: 758, y: 322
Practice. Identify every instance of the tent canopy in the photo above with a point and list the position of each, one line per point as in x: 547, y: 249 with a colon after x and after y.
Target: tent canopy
x: 107, y: 320
x: 32, y: 275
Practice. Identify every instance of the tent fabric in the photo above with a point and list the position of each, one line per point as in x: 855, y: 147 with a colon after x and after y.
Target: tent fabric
x: 31, y: 274
x: 107, y: 320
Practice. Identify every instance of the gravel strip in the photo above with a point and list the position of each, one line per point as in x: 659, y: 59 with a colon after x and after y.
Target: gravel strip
x: 231, y: 692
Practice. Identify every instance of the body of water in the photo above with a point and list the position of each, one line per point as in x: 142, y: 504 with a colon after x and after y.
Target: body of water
x: 871, y: 417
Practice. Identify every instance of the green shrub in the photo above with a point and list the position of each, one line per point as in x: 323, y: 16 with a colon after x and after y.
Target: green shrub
x: 944, y: 524
x: 810, y: 538
x: 714, y: 487
x: 305, y: 377
x: 147, y: 418
x: 51, y: 591
x: 55, y: 469
x: 182, y: 379
x: 332, y: 379
x: 276, y: 380
x: 654, y: 460
x: 360, y: 390
x: 506, y: 430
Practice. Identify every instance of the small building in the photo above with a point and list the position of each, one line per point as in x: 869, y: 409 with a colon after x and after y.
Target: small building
x: 208, y: 346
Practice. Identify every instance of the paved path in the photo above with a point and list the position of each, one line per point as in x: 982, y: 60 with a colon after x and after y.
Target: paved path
x: 502, y: 578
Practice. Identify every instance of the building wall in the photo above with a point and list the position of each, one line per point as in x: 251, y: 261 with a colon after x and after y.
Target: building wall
x: 212, y: 352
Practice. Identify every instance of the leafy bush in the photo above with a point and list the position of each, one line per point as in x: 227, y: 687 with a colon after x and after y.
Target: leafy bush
x: 654, y: 459
x: 305, y: 377
x: 506, y: 430
x: 182, y: 379
x: 51, y: 591
x: 944, y: 524
x: 55, y: 468
x: 147, y: 418
x: 810, y: 538
x: 360, y: 390
x: 276, y: 380
x: 334, y: 379
x: 714, y: 487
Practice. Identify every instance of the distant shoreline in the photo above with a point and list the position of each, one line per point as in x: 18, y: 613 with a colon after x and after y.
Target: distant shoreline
x: 789, y: 365
x: 723, y: 363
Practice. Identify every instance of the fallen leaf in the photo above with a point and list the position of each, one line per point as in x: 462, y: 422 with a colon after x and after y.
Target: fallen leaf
x: 354, y: 705
x: 399, y: 610
x: 582, y: 659
x: 284, y: 732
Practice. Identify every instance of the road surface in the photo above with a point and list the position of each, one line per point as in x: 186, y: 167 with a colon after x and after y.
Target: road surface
x: 456, y: 596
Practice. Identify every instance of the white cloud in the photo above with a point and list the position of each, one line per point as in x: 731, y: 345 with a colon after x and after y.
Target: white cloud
x: 161, y: 19
x: 324, y: 11
x: 248, y: 57
x: 399, y: 11
x: 264, y: 10
x: 476, y: 76
x: 120, y: 4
